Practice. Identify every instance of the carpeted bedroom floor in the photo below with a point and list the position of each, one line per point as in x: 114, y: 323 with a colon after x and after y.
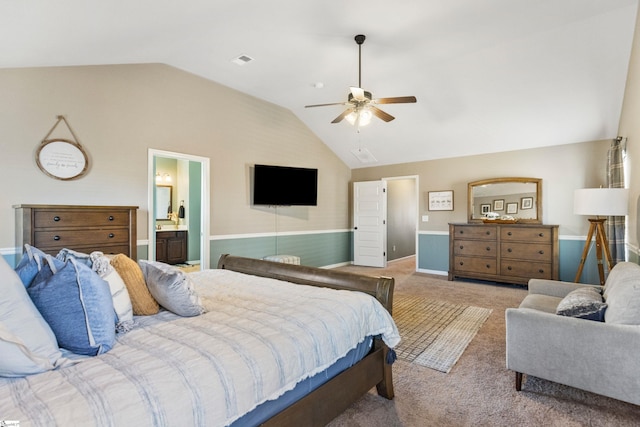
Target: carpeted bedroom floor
x: 478, y: 391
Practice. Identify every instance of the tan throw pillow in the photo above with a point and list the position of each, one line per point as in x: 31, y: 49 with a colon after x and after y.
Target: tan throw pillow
x: 142, y: 301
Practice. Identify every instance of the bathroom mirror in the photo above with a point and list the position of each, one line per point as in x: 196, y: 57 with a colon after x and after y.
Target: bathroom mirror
x: 517, y: 198
x: 164, y: 195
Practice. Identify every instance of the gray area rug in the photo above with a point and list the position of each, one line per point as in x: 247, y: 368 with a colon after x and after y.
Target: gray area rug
x: 435, y: 333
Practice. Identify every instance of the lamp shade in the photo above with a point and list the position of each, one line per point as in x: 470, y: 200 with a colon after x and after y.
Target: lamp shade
x: 601, y: 201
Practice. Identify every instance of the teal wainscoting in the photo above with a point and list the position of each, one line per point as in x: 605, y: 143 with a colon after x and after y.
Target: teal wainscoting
x: 570, y: 254
x: 318, y: 249
x: 12, y: 259
x: 433, y: 250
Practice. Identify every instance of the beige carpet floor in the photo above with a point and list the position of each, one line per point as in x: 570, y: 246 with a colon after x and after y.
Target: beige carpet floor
x: 479, y: 390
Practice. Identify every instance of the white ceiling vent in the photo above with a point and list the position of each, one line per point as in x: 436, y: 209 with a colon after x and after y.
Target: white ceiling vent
x: 364, y: 155
x: 242, y: 60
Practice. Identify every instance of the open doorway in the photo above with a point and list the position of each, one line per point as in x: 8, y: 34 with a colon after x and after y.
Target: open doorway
x: 402, y: 218
x: 178, y: 206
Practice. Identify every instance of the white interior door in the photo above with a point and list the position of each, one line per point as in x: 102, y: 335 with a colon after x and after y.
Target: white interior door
x: 369, y: 220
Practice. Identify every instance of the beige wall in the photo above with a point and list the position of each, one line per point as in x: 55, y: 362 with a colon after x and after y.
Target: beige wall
x: 562, y: 169
x: 630, y: 128
x: 118, y: 112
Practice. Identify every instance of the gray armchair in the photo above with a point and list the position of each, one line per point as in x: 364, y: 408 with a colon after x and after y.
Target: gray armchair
x: 601, y: 357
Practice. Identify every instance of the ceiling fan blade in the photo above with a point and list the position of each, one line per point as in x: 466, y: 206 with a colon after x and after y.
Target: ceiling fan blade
x: 344, y: 114
x: 324, y: 105
x: 358, y: 93
x: 396, y: 100
x: 381, y: 114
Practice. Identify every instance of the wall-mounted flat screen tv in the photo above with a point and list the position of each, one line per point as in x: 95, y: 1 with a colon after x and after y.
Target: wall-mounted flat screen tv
x: 285, y: 186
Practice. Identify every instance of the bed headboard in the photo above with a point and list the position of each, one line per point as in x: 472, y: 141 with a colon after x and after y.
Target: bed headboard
x: 378, y: 286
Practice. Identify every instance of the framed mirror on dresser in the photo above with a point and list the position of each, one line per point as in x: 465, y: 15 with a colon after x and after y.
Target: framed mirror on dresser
x: 504, y: 239
x: 518, y: 198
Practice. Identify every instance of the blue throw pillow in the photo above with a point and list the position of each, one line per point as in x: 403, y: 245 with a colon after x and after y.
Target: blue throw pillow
x: 30, y: 264
x: 77, y: 304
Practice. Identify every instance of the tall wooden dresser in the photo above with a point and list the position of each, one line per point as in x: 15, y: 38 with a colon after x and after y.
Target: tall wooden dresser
x: 109, y: 229
x: 510, y: 253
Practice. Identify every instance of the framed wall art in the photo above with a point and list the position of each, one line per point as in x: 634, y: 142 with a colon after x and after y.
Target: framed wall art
x: 526, y: 203
x: 498, y: 205
x: 441, y: 200
x: 512, y: 208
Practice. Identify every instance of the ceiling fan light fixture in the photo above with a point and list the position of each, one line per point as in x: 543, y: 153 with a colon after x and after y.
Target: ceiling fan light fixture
x: 360, y: 118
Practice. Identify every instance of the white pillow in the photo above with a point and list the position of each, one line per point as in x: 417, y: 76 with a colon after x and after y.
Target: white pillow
x: 119, y: 293
x: 27, y: 344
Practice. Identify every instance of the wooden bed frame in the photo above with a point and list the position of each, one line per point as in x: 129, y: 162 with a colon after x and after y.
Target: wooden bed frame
x: 335, y: 396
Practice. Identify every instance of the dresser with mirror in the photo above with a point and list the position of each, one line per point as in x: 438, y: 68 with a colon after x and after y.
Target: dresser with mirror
x: 504, y: 239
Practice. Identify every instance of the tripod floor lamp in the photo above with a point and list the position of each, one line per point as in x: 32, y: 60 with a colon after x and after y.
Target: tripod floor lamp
x: 599, y: 202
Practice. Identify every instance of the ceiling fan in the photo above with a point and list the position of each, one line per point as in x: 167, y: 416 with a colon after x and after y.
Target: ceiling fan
x: 360, y: 103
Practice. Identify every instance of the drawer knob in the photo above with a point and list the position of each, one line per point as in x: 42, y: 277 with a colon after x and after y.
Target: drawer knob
x: 541, y: 271
x: 509, y: 268
x: 509, y: 250
x: 111, y: 235
x: 111, y: 218
x: 488, y: 233
x: 56, y: 237
x: 541, y: 252
x: 461, y: 263
x: 488, y: 248
x: 509, y: 233
x: 541, y: 234
x: 56, y: 218
x: 488, y: 266
x: 461, y: 231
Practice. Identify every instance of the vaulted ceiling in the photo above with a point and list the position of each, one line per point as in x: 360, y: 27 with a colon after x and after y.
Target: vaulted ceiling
x: 489, y: 76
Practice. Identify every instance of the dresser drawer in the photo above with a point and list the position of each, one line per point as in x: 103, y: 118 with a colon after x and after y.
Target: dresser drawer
x: 529, y: 234
x: 61, y: 218
x: 474, y: 247
x: 475, y: 265
x: 475, y: 232
x: 78, y: 238
x: 528, y: 270
x: 528, y: 251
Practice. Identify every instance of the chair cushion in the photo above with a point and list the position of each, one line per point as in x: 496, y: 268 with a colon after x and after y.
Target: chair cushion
x: 621, y: 272
x: 541, y: 302
x: 623, y: 299
x: 583, y: 303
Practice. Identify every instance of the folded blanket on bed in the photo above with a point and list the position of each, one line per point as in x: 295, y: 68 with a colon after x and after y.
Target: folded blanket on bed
x: 258, y: 339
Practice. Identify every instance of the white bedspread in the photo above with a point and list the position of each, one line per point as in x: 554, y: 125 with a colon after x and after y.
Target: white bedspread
x: 259, y: 338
